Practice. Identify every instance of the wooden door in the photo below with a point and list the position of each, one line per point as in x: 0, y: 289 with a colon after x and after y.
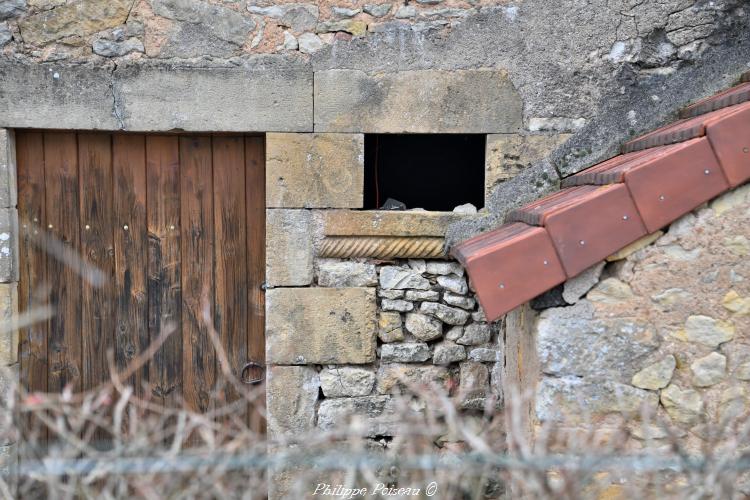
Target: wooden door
x: 176, y: 225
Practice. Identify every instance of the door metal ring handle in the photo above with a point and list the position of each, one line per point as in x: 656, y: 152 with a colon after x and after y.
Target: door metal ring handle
x: 244, y: 373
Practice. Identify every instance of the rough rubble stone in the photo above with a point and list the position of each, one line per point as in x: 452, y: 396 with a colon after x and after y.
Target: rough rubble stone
x: 709, y: 370
x: 299, y: 17
x: 216, y: 20
x: 447, y: 352
x: 406, y: 378
x: 345, y: 12
x: 345, y: 273
x: 444, y: 268
x: 657, y: 375
x: 377, y: 10
x: 291, y: 395
x: 419, y: 265
x: 11, y: 8
x: 570, y: 399
x: 419, y: 295
x: 733, y: 403
x: 72, y: 20
x: 390, y: 327
x: 405, y: 12
x: 737, y: 304
x: 396, y: 305
x: 639, y: 244
x: 708, y: 331
x: 479, y: 315
x: 314, y: 170
x: 425, y: 101
x: 474, y: 385
x: 454, y: 333
x: 320, y: 325
x: 610, y: 291
x: 485, y: 355
x: 475, y: 334
x: 453, y: 283
x: 459, y: 301
x: 391, y: 294
x: 400, y: 278
x: 309, y: 43
x: 405, y: 353
x: 378, y: 415
x: 576, y: 287
x: 289, y: 247
x: 423, y: 327
x: 447, y: 314
x: 742, y: 372
x: 109, y: 48
x: 573, y: 342
x: 6, y: 35
x: 683, y: 405
x: 346, y: 381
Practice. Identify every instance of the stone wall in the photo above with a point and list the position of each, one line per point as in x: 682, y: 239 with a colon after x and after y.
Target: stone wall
x: 659, y: 333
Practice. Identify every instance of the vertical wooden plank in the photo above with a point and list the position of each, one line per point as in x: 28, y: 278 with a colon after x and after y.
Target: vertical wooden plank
x: 31, y: 294
x: 131, y: 261
x: 197, y: 239
x: 164, y: 296
x: 97, y: 247
x: 255, y: 197
x: 62, y: 202
x: 230, y: 253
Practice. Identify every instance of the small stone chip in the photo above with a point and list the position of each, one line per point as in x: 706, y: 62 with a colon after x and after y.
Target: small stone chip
x: 459, y: 301
x: 475, y: 334
x: 683, y: 405
x: 655, y: 376
x: 709, y: 370
x: 455, y: 284
x: 707, y: 330
x: 396, y: 305
x: 423, y: 327
x: 447, y: 353
x: 447, y: 314
x: 416, y: 352
x: 389, y: 327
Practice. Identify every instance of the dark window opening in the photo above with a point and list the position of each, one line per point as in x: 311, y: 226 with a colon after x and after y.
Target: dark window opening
x: 430, y: 171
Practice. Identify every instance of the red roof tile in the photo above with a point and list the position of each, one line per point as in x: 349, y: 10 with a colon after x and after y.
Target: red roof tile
x: 661, y: 176
x: 509, y: 266
x: 729, y: 97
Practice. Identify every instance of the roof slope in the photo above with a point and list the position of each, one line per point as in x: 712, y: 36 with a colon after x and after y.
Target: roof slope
x: 659, y: 177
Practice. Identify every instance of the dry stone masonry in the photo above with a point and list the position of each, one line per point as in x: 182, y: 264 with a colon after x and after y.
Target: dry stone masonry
x: 662, y: 330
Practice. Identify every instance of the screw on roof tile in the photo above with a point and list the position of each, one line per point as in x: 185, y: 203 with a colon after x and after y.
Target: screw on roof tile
x: 582, y: 242
x: 707, y: 171
x: 625, y: 217
x: 501, y: 285
x: 661, y: 197
x: 745, y: 150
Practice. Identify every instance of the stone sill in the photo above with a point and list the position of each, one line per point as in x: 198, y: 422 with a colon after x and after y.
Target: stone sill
x: 388, y: 222
x: 384, y: 234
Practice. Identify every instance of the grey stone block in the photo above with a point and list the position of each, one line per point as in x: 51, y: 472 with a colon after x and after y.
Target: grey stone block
x: 268, y: 94
x: 56, y: 96
x: 289, y: 247
x: 264, y: 94
x: 8, y: 187
x: 426, y: 101
x: 8, y: 245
